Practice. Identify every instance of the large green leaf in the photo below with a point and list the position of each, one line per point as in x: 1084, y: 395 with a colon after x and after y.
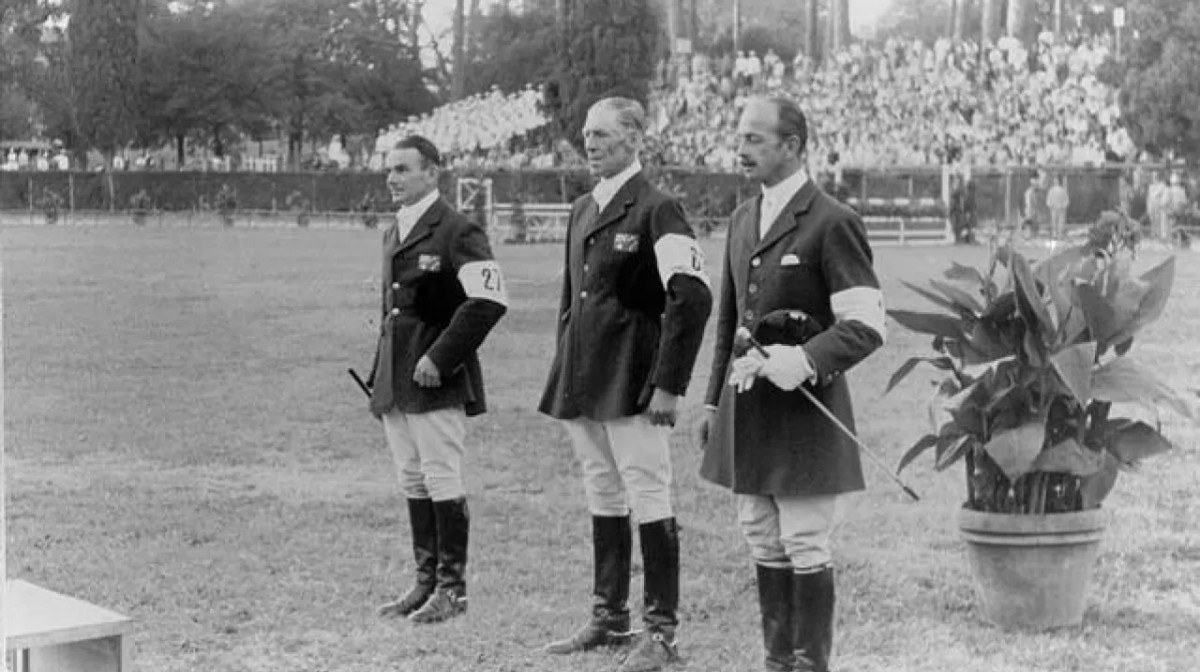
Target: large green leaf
x: 931, y: 297
x: 1133, y: 441
x: 1158, y: 281
x: 1069, y: 457
x: 1074, y: 367
x: 924, y: 443
x: 934, y: 324
x: 961, y: 299
x: 1058, y: 272
x: 1015, y: 450
x: 1031, y: 303
x: 951, y: 450
x: 965, y: 274
x: 1102, y: 316
x: 1122, y: 380
x: 943, y: 363
x: 1094, y: 488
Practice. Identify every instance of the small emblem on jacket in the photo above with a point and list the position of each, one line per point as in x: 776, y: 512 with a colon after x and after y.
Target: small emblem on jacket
x: 789, y: 260
x: 430, y: 263
x: 625, y: 242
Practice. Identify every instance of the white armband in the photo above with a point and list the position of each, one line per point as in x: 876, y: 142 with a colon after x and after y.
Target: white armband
x: 483, y: 280
x: 679, y: 254
x: 861, y: 304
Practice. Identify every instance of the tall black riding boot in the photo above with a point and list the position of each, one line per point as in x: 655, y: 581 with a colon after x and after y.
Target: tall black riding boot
x: 612, y: 547
x: 812, y: 618
x: 775, y: 601
x: 424, y: 545
x: 450, y: 598
x: 660, y: 558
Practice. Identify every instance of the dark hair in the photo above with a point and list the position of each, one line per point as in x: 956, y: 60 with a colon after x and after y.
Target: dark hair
x: 427, y: 150
x: 791, y: 120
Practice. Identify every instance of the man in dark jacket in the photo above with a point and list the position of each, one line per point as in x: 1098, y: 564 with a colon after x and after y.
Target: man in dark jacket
x: 797, y: 274
x: 635, y: 300
x: 442, y: 293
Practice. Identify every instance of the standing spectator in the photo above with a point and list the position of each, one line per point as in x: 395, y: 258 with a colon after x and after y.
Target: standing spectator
x: 442, y: 294
x: 1036, y: 214
x: 635, y: 299
x: 1176, y: 205
x: 1057, y: 200
x: 795, y: 260
x: 962, y: 208
x: 1156, y: 205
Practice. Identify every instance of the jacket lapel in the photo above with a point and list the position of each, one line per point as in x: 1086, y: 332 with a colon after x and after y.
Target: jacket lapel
x: 619, y: 205
x: 786, y: 222
x: 745, y: 235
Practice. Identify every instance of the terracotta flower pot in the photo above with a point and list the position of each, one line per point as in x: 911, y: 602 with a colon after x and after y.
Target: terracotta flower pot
x: 1032, y: 572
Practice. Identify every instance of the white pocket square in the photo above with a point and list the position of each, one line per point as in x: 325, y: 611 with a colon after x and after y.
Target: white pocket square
x: 789, y: 260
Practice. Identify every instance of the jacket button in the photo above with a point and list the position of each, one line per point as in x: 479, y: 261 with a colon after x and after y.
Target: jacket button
x: 756, y: 262
x: 583, y: 294
x: 395, y: 285
x: 395, y: 311
x: 749, y: 315
x: 753, y: 288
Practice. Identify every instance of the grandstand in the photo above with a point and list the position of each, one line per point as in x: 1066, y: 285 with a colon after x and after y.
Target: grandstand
x: 896, y: 103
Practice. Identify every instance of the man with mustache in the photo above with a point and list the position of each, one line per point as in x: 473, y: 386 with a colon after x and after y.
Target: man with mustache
x: 635, y: 299
x: 442, y: 294
x: 798, y: 275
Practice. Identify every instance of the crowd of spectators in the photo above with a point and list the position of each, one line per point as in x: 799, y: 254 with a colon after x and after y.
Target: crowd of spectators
x: 490, y: 129
x: 908, y: 104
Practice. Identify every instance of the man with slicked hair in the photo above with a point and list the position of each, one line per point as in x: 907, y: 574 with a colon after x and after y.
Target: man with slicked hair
x: 442, y: 294
x: 798, y: 276
x: 635, y: 299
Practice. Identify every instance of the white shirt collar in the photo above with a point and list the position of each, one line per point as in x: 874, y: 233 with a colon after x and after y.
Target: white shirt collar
x: 607, y: 187
x: 778, y: 196
x: 784, y: 191
x: 408, y: 215
x: 413, y: 212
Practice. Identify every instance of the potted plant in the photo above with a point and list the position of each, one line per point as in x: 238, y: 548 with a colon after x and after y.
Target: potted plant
x: 1034, y: 357
x: 226, y: 203
x: 139, y: 206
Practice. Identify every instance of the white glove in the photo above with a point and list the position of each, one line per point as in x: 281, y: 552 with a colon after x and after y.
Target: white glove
x: 787, y: 367
x: 744, y: 370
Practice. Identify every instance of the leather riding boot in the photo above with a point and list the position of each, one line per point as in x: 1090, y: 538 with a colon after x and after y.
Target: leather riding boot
x: 812, y: 618
x: 424, y: 544
x: 775, y: 601
x: 656, y: 648
x: 612, y: 547
x: 450, y: 597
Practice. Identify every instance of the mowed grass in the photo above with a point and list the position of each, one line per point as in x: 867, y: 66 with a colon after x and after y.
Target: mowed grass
x: 185, y: 447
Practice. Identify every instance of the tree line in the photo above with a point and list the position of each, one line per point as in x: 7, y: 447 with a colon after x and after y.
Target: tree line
x: 108, y: 74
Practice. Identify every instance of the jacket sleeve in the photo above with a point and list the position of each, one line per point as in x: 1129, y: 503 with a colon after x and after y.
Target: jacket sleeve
x: 855, y: 299
x: 727, y: 321
x: 688, y: 298
x: 486, y: 298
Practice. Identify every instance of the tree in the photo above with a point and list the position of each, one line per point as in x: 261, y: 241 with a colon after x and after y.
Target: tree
x: 458, y: 52
x: 1160, y: 101
x: 103, y: 38
x: 513, y: 49
x: 925, y: 20
x: 204, y: 76
x: 611, y: 48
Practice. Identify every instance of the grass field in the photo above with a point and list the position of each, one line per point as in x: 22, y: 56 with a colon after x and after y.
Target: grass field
x: 184, y: 446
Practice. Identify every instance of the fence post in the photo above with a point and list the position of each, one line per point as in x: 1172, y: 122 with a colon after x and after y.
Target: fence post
x: 112, y: 192
x: 71, y: 191
x: 31, y: 194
